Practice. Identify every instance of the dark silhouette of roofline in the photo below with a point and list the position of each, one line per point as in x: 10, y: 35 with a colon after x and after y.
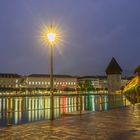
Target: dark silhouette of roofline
x: 97, y: 76
x: 9, y: 75
x: 113, y: 67
x: 137, y: 69
x: 55, y: 75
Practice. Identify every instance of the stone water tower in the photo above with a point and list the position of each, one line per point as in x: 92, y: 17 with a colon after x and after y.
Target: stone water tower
x: 113, y: 72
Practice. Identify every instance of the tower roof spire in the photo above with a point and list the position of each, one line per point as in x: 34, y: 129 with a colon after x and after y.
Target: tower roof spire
x: 113, y: 67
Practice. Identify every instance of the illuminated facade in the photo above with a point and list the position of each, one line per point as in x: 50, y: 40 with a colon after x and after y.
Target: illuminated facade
x: 98, y: 82
x: 9, y: 81
x: 42, y: 81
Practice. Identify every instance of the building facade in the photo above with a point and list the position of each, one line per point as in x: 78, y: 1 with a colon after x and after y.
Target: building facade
x: 35, y: 83
x: 9, y: 82
x: 99, y: 83
x: 40, y: 83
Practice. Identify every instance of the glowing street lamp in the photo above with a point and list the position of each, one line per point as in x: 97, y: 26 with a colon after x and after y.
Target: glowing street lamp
x: 51, y: 37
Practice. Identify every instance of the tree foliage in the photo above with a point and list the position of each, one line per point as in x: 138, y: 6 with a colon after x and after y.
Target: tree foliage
x: 86, y: 86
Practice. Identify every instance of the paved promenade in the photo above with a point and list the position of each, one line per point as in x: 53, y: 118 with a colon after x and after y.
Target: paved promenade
x: 116, y: 124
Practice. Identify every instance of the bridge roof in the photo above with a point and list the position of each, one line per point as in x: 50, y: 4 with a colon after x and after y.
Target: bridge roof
x: 113, y: 67
x: 137, y: 70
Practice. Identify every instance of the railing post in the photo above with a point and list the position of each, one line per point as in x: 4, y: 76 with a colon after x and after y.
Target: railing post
x: 101, y: 105
x: 52, y: 106
x: 80, y: 104
x: 76, y: 103
x: 125, y: 101
x: 9, y: 113
x: 109, y: 101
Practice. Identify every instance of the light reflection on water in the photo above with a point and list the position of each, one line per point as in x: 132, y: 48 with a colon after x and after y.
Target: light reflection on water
x: 30, y: 109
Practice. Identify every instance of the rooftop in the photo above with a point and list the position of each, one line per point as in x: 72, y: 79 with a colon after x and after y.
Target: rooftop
x: 47, y: 75
x: 92, y: 77
x: 9, y: 75
x: 113, y: 67
x: 137, y: 70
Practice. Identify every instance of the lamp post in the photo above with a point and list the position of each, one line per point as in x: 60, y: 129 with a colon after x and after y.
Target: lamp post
x: 51, y: 36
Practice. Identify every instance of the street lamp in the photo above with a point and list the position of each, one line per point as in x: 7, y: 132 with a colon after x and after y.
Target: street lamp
x: 51, y: 36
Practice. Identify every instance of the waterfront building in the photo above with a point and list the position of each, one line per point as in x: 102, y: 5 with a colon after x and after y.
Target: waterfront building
x: 99, y: 83
x: 42, y: 82
x: 114, y: 72
x: 9, y: 82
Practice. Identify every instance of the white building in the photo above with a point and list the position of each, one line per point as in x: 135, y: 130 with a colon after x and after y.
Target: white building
x: 98, y: 82
x: 9, y: 82
x: 42, y: 81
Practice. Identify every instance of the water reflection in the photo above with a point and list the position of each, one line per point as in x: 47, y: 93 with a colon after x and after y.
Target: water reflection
x: 17, y: 110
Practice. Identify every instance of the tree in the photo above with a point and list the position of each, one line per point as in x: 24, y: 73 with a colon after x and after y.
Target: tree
x: 88, y: 86
x: 85, y: 86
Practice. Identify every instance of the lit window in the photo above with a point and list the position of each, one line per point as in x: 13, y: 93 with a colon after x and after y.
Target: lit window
x: 39, y: 83
x: 48, y: 83
x: 63, y: 83
x: 29, y: 83
x: 36, y: 83
x: 60, y: 83
x: 16, y: 81
x: 55, y: 83
x: 66, y: 83
x: 33, y: 83
x: 42, y: 83
x: 69, y: 83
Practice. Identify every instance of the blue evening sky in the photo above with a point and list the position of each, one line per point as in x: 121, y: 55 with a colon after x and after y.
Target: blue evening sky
x: 93, y: 31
